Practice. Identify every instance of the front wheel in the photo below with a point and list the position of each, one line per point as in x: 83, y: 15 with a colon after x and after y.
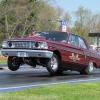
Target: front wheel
x: 89, y: 70
x: 52, y: 64
x: 13, y: 63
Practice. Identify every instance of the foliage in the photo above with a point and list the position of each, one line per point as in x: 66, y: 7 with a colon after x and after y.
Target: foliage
x: 18, y: 17
x: 86, y: 22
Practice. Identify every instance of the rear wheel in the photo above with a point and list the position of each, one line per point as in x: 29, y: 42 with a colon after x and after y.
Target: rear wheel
x: 52, y: 64
x: 13, y: 63
x: 89, y: 70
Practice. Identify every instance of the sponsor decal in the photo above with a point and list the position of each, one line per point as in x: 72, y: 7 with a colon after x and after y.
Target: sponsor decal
x: 74, y: 57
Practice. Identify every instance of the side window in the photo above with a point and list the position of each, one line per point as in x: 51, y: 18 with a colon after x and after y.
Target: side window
x: 82, y: 43
x: 73, y: 40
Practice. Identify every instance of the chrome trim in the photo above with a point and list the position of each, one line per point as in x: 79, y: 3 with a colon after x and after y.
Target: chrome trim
x: 26, y: 44
x: 29, y: 53
x: 69, y: 49
x: 19, y: 44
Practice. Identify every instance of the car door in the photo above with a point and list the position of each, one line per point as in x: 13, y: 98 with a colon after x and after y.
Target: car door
x: 83, y: 47
x: 75, y: 55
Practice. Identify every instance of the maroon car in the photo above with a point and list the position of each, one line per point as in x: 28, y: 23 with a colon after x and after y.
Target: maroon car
x: 57, y: 51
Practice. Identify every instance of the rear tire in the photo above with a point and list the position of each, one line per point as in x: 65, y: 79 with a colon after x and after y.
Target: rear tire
x: 52, y: 64
x: 13, y: 63
x: 89, y: 70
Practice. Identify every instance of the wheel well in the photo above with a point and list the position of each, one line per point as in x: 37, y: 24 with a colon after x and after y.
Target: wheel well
x: 58, y: 54
x: 95, y: 64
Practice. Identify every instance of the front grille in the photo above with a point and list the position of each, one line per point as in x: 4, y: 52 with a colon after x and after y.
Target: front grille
x: 21, y: 44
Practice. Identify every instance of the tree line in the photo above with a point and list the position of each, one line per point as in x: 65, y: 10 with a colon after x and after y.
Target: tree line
x: 18, y: 17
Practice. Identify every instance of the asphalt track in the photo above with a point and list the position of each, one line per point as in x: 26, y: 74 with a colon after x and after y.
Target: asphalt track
x: 28, y: 77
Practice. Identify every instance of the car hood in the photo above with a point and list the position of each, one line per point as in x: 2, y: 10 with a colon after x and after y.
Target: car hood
x: 36, y: 38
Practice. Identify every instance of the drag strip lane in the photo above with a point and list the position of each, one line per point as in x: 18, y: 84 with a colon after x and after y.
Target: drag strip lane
x: 11, y: 89
x: 30, y: 78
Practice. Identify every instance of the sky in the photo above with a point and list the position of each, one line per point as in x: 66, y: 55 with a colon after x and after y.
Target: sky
x: 73, y: 5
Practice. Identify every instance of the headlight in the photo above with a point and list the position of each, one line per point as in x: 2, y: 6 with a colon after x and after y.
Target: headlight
x: 4, y: 44
x: 11, y: 45
x: 41, y: 45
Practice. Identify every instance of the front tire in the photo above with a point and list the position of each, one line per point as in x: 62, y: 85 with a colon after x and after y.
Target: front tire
x: 52, y: 64
x: 89, y: 70
x: 13, y: 63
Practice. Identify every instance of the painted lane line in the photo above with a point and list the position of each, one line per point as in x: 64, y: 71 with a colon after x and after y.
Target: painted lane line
x: 38, y: 85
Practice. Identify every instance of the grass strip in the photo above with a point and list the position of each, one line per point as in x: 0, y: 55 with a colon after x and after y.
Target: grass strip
x: 3, y: 61
x: 86, y: 91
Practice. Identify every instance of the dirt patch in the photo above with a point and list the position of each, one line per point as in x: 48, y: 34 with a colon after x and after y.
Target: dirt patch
x: 3, y: 58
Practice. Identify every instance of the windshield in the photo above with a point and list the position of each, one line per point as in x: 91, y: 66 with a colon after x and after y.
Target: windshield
x: 54, y: 36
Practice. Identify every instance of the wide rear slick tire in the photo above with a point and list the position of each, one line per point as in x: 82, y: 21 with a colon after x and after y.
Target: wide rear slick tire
x: 13, y: 63
x: 89, y: 70
x: 52, y: 64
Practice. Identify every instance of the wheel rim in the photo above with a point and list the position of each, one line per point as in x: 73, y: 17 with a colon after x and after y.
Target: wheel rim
x: 15, y: 62
x: 54, y: 63
x: 90, y: 67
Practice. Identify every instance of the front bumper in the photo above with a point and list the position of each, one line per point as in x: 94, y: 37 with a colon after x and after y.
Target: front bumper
x: 27, y: 53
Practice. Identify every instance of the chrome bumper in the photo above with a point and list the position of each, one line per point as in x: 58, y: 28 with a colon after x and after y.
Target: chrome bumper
x: 27, y: 53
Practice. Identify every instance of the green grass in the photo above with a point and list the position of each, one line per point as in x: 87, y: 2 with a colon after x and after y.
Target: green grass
x: 3, y: 61
x: 86, y: 91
